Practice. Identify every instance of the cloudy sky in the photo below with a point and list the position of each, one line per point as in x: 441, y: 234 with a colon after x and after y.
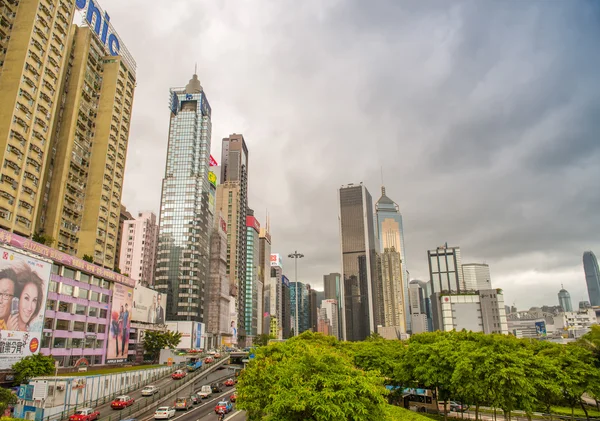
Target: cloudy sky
x: 485, y: 117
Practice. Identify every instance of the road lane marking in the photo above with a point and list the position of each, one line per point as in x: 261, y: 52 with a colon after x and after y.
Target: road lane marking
x: 236, y: 413
x: 196, y: 407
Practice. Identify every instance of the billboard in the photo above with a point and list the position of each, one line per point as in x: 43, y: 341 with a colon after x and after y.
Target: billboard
x: 148, y: 306
x: 276, y: 260
x: 191, y: 334
x: 212, y: 178
x: 120, y: 324
x: 213, y: 162
x: 251, y: 221
x: 24, y: 284
x: 540, y: 328
x: 285, y: 281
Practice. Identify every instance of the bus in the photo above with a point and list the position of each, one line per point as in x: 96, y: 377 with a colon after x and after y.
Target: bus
x: 420, y: 400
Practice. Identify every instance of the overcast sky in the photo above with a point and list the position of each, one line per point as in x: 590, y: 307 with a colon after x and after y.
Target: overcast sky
x: 485, y: 117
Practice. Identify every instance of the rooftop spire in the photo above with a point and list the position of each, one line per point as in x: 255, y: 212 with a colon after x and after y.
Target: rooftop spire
x: 194, y: 86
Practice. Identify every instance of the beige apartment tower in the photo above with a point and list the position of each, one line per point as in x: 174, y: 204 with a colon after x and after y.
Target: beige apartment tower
x: 34, y: 49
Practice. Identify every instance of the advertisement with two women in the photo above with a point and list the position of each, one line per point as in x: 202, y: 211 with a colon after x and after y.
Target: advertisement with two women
x: 24, y: 284
x: 120, y: 324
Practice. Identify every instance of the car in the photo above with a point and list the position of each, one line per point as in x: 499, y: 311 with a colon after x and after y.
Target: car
x: 150, y: 390
x: 229, y: 382
x: 183, y: 403
x: 212, y: 352
x: 208, y: 360
x: 457, y: 406
x: 205, y: 391
x: 179, y: 374
x: 164, y: 412
x: 218, y: 355
x: 195, y: 399
x: 217, y: 387
x: 122, y: 401
x: 233, y: 397
x: 223, y: 407
x: 85, y: 414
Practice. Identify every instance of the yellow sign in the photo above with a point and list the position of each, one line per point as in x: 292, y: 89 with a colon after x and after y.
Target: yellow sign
x: 212, y: 178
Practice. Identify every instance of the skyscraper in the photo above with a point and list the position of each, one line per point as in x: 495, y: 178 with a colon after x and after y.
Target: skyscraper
x: 264, y: 272
x: 138, y: 253
x: 330, y: 307
x: 564, y: 300
x: 218, y: 301
x: 300, y: 292
x: 476, y: 276
x: 124, y: 215
x: 286, y: 311
x: 312, y: 308
x: 445, y: 269
x: 392, y: 265
x: 34, y: 52
x: 183, y: 244
x: 232, y: 201
x: 276, y: 303
x: 332, y: 284
x: 592, y: 277
x: 359, y: 294
x: 252, y: 264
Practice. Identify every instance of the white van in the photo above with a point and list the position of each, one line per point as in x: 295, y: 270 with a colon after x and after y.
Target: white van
x: 205, y: 391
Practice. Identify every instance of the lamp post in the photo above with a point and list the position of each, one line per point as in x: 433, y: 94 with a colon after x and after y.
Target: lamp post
x: 295, y: 255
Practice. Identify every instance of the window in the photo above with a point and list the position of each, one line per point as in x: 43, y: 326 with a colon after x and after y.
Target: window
x: 62, y: 324
x: 82, y: 293
x: 94, y: 296
x: 48, y: 322
x: 105, y: 298
x: 64, y: 307
x: 66, y: 289
x: 68, y: 273
x: 101, y: 328
x: 51, y: 305
x: 84, y: 277
x: 80, y: 309
x: 90, y: 342
x: 91, y: 328
x: 78, y: 327
x: 77, y: 343
x: 103, y: 314
x: 99, y: 344
x: 46, y: 341
x: 93, y: 312
x: 95, y: 281
x: 60, y: 343
x: 55, y: 269
x: 53, y: 287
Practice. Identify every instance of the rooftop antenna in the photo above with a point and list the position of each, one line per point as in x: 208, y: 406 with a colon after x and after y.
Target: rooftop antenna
x: 382, y: 184
x: 196, y: 68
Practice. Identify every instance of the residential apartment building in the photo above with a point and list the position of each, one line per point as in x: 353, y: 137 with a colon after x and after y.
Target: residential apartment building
x: 140, y: 237
x: 124, y: 215
x: 218, y: 300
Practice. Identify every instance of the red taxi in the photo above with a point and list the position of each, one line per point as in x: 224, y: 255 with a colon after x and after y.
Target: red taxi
x: 121, y: 402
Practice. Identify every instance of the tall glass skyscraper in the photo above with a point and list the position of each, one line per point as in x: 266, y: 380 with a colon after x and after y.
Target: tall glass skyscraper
x: 300, y: 290
x: 394, y: 274
x: 592, y: 277
x: 252, y: 318
x: 359, y: 292
x: 185, y: 216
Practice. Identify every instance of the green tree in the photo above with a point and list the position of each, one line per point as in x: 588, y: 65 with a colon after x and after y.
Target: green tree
x: 155, y: 340
x: 263, y: 339
x: 33, y: 366
x: 88, y: 258
x: 6, y: 398
x: 43, y: 239
x: 309, y: 378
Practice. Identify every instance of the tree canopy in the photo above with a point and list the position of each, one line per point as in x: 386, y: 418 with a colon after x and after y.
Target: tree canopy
x: 155, y: 340
x: 35, y: 365
x: 315, y: 377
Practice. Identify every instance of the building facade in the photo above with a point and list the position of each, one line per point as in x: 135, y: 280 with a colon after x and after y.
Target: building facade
x: 218, y: 300
x: 286, y: 310
x: 359, y: 292
x: 480, y: 312
x: 592, y: 277
x: 251, y: 316
x: 275, y: 297
x: 476, y: 276
x: 330, y: 311
x: 300, y: 291
x: 420, y: 306
x: 312, y: 309
x: 185, y: 215
x: 138, y: 252
x: 392, y: 267
x: 124, y: 215
x: 34, y: 51
x: 264, y: 273
x: 564, y: 300
x: 445, y: 269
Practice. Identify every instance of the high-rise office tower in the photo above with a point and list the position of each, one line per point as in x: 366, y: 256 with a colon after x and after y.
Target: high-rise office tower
x: 564, y: 300
x: 35, y: 37
x: 312, y: 309
x: 184, y: 233
x: 331, y: 308
x: 276, y: 300
x: 392, y: 264
x: 300, y: 292
x: 218, y: 301
x: 232, y: 201
x: 592, y: 277
x: 252, y: 263
x: 332, y: 284
x: 264, y: 272
x: 84, y: 181
x: 124, y: 215
x: 420, y: 306
x: 445, y: 269
x: 476, y: 276
x: 138, y: 253
x: 359, y: 293
x: 286, y: 310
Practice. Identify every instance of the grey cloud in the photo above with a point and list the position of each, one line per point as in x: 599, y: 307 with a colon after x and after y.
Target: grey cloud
x: 482, y: 115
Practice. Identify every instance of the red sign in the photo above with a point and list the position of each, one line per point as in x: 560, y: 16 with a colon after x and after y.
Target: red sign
x: 251, y: 221
x: 223, y: 225
x: 34, y: 345
x: 213, y: 162
x: 273, y: 258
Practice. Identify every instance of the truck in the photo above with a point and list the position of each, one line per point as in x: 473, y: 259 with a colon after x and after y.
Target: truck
x: 205, y: 391
x: 194, y: 364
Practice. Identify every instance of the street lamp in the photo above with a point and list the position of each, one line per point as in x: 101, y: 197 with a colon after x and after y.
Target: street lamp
x: 295, y: 255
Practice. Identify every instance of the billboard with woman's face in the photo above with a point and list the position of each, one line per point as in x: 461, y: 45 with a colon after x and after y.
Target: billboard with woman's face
x: 24, y: 284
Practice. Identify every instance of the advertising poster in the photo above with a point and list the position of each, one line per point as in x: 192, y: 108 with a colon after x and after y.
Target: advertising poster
x: 276, y: 260
x: 120, y: 324
x: 148, y: 306
x: 24, y: 284
x: 186, y: 329
x: 233, y: 322
x: 540, y: 328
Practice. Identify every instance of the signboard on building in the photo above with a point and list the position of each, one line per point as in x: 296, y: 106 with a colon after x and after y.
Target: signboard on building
x: 251, y: 221
x: 24, y: 284
x: 212, y: 178
x: 148, y: 306
x: 285, y: 281
x: 191, y: 334
x: 213, y: 162
x: 276, y: 260
x: 540, y: 328
x: 120, y: 324
x: 29, y: 245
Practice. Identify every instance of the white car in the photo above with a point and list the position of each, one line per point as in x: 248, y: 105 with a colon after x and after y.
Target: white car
x: 164, y: 413
x: 205, y: 391
x: 149, y: 390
